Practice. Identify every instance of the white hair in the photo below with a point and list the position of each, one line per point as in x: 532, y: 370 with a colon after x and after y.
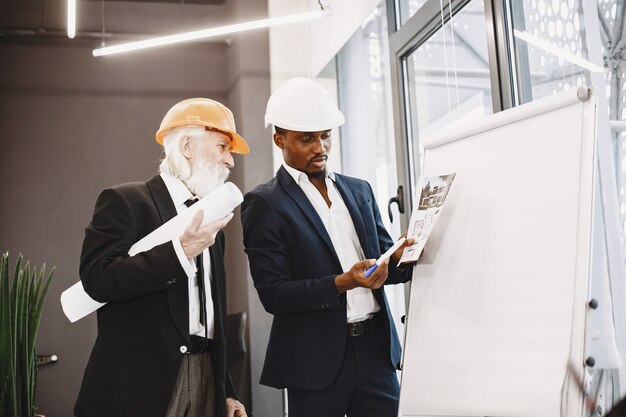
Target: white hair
x: 174, y: 162
x: 201, y: 176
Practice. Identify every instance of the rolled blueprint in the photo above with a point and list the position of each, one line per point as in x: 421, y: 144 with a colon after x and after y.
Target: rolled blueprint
x: 75, y: 301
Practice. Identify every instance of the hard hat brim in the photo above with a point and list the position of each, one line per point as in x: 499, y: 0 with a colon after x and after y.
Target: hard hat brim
x: 339, y: 121
x: 239, y: 144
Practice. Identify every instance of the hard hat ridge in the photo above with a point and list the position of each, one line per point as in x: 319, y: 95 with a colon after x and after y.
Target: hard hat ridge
x: 303, y: 105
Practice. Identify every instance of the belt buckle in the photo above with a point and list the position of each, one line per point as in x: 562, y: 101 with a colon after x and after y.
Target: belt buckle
x: 360, y: 328
x: 367, y: 327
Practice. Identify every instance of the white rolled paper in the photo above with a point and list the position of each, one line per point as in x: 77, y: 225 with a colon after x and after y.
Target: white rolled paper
x: 75, y: 301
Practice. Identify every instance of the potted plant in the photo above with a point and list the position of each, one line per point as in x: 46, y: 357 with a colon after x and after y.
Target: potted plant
x: 21, y: 302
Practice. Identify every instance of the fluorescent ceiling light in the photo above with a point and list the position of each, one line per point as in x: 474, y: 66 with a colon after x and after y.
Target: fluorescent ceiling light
x: 209, y: 33
x: 558, y: 51
x: 71, y: 18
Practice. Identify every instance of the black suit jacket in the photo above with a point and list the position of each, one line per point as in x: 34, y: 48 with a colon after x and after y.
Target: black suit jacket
x: 137, y: 354
x: 294, y: 265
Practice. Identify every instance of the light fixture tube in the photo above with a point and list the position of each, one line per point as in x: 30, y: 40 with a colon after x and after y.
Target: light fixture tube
x: 71, y: 18
x: 558, y: 51
x: 209, y: 33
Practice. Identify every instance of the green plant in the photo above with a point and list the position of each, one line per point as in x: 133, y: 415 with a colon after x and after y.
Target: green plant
x: 21, y: 302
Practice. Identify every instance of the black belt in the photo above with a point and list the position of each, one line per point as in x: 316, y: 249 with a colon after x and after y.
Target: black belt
x: 199, y: 344
x: 365, y: 327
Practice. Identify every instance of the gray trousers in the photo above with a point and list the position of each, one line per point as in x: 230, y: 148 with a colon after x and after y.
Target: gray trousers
x: 194, y: 392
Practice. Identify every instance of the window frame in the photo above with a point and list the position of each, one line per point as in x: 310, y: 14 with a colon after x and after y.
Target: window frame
x: 405, y: 39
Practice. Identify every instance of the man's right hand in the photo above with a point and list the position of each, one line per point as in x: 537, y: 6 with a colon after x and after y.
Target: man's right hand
x: 355, y: 277
x: 197, y: 238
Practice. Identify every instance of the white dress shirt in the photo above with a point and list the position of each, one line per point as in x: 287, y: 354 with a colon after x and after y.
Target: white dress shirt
x: 180, y: 193
x: 361, y: 303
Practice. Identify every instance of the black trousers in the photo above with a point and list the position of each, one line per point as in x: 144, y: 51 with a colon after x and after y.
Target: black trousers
x: 366, y: 386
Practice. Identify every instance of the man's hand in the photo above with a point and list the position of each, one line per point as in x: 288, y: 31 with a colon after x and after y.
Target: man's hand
x: 197, y: 238
x: 234, y: 408
x: 355, y: 277
x: 398, y: 253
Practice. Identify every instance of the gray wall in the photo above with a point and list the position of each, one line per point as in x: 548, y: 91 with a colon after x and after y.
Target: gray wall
x: 71, y: 125
x: 249, y: 89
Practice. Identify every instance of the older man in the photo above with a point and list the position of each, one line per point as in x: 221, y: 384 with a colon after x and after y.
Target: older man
x: 160, y: 349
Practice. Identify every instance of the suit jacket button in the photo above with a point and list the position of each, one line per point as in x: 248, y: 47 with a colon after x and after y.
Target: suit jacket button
x: 183, y: 349
x: 173, y: 281
x: 169, y: 282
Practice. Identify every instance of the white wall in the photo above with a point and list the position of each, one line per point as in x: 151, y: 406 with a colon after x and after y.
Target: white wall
x: 304, y: 49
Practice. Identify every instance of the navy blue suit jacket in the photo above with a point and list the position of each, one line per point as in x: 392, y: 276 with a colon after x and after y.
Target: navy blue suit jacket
x: 294, y: 265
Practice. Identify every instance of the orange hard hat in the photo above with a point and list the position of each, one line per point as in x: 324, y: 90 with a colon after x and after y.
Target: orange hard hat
x: 203, y: 112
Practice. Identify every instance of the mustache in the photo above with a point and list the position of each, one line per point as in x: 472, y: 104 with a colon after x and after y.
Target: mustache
x: 317, y: 157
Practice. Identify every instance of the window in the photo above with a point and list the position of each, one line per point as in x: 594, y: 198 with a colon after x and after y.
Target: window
x: 448, y: 80
x: 408, y: 8
x: 559, y: 22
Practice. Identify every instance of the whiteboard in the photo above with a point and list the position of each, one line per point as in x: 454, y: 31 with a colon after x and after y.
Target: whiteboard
x: 498, y: 298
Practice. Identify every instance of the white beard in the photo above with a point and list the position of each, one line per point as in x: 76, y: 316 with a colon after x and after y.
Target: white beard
x: 205, y: 177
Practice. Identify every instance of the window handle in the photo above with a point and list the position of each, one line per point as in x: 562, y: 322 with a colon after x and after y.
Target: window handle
x: 399, y: 200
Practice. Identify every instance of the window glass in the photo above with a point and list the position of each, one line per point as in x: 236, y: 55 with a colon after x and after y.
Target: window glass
x: 448, y: 77
x: 559, y: 22
x: 407, y: 8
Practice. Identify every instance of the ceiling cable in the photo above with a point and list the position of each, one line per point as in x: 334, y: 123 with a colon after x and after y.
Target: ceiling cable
x: 103, y: 42
x: 445, y: 55
x: 456, y: 79
x: 43, y: 13
x: 182, y: 15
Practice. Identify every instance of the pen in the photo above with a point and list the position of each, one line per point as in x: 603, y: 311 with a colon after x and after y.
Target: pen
x: 384, y: 256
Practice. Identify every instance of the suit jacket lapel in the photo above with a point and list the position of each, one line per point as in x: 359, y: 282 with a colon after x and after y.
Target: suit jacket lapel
x: 162, y: 200
x: 178, y: 295
x: 357, y: 219
x: 295, y: 192
x: 359, y: 226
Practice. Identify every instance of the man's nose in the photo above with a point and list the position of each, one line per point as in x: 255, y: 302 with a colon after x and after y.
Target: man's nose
x: 319, y: 146
x: 228, y: 160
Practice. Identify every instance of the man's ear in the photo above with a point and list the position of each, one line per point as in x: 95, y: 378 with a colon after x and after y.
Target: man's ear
x: 185, y: 146
x: 279, y: 140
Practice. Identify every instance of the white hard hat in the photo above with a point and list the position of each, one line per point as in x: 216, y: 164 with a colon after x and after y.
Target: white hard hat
x: 302, y: 105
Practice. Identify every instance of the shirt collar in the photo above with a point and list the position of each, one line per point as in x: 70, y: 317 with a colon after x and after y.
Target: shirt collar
x: 298, y: 176
x: 177, y: 189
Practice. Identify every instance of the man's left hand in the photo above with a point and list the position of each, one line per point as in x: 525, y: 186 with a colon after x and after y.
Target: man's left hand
x: 398, y: 253
x: 234, y: 408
